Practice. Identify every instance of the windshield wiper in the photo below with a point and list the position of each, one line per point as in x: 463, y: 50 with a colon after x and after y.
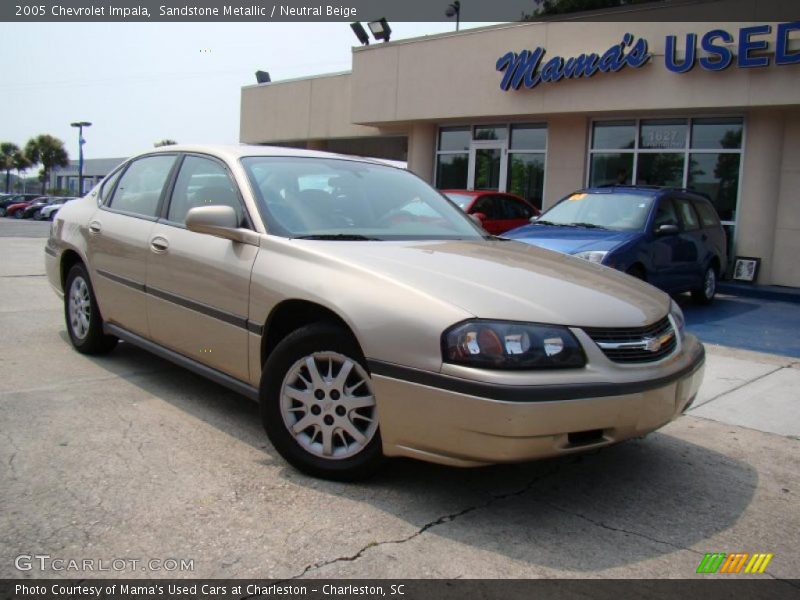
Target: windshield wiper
x: 588, y: 225
x: 345, y: 237
x: 540, y: 222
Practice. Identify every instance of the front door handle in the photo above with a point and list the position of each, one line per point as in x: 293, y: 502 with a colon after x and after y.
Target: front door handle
x: 159, y: 244
x: 95, y: 228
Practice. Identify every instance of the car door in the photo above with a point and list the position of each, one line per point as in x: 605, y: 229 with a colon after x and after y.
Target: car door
x: 693, y: 244
x: 118, y: 237
x: 198, y: 284
x: 665, y: 249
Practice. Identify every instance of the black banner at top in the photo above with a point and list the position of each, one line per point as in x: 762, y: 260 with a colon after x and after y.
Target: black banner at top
x: 393, y: 10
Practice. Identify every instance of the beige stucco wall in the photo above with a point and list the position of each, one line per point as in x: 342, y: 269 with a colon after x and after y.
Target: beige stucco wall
x: 314, y: 108
x: 786, y: 250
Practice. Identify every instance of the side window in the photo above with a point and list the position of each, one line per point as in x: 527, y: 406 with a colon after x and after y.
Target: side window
x: 688, y: 215
x: 202, y: 182
x: 108, y: 186
x: 514, y: 209
x: 708, y: 216
x: 139, y: 189
x: 489, y: 206
x: 666, y: 215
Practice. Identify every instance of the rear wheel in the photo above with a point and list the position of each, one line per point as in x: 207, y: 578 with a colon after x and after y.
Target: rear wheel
x: 318, y: 406
x: 84, y: 324
x: 705, y: 294
x: 18, y: 214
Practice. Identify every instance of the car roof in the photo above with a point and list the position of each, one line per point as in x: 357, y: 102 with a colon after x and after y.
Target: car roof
x: 234, y: 152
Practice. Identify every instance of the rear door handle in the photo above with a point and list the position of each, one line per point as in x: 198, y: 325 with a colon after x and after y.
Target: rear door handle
x: 159, y: 244
x: 94, y: 227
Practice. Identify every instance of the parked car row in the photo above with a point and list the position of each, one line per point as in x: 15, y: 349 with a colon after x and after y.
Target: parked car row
x: 31, y: 206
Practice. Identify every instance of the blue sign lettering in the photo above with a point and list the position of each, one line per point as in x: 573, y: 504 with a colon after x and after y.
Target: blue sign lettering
x: 529, y: 68
x: 523, y: 67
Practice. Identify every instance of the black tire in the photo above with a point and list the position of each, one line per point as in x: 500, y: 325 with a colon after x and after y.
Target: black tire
x: 708, y: 290
x: 304, y: 342
x: 2, y: 211
x: 18, y: 214
x: 37, y: 215
x: 638, y: 272
x: 93, y: 340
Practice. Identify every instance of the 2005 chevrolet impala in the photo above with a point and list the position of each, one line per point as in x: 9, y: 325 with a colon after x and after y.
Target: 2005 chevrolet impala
x: 367, y: 314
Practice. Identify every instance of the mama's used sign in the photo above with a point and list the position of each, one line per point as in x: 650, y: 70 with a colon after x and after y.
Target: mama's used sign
x: 529, y: 67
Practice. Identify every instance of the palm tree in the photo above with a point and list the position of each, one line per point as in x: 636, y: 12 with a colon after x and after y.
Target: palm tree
x: 7, y: 151
x: 20, y: 163
x: 166, y: 142
x: 49, y: 151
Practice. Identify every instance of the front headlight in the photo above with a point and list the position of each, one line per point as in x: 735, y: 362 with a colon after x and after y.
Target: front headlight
x: 677, y: 317
x: 511, y: 345
x: 595, y: 256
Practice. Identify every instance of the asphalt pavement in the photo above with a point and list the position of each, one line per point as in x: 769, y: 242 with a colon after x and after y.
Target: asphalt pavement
x: 128, y: 456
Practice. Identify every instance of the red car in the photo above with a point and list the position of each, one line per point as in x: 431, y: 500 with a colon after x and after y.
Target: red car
x: 16, y: 210
x: 498, y: 212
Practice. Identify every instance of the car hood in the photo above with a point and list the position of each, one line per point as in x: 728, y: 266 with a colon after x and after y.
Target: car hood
x: 571, y: 240
x: 503, y: 280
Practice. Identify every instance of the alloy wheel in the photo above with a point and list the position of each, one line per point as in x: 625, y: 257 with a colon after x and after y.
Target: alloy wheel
x: 710, y: 283
x: 80, y: 308
x: 328, y: 405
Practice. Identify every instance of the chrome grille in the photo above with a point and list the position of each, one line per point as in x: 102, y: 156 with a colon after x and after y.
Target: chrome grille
x: 635, y: 344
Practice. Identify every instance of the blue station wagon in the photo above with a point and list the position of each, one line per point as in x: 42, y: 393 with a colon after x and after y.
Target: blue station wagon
x: 671, y: 238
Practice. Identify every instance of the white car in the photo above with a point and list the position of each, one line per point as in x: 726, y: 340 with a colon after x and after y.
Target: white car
x: 48, y: 213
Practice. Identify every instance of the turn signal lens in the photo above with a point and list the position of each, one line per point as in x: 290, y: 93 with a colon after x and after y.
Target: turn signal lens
x: 511, y: 345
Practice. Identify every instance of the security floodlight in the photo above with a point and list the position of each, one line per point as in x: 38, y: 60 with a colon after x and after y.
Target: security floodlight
x: 80, y: 125
x: 360, y: 32
x: 454, y: 10
x: 262, y: 77
x: 380, y: 30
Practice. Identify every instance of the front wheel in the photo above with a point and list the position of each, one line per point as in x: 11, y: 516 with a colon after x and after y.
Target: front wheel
x: 37, y: 215
x: 84, y: 323
x: 706, y: 293
x: 318, y: 405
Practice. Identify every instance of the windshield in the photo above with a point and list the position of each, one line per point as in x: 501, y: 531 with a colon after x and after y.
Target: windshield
x: 326, y: 198
x: 615, y: 210
x: 462, y: 200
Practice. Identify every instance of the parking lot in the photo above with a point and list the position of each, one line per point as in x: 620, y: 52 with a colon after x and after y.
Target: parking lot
x: 128, y: 456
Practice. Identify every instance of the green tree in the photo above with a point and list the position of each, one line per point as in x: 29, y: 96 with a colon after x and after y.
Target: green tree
x: 20, y: 163
x: 7, y: 151
x: 49, y: 152
x: 560, y: 7
x: 165, y: 142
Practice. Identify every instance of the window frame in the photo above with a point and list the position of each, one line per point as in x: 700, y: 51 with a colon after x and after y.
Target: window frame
x: 163, y: 216
x: 164, y: 189
x: 687, y: 151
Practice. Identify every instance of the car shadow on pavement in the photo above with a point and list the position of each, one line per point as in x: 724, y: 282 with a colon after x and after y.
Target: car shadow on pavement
x: 609, y: 508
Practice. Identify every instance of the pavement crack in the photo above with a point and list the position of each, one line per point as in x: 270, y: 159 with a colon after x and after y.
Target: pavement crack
x: 430, y: 525
x: 602, y: 525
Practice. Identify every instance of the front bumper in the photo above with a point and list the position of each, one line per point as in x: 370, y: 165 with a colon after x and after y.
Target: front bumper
x: 448, y: 421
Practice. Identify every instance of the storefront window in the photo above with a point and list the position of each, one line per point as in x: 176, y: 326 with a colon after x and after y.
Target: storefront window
x: 451, y: 171
x: 717, y: 133
x: 717, y: 176
x: 661, y: 168
x: 528, y: 137
x: 454, y: 139
x: 611, y: 168
x: 704, y: 154
x: 487, y: 169
x: 526, y: 176
x: 610, y: 135
x: 491, y: 132
x: 663, y: 134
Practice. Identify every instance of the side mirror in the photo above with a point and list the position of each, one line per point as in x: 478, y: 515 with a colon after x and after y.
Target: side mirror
x: 479, y: 215
x: 219, y: 221
x: 534, y: 218
x: 666, y: 229
x: 475, y: 219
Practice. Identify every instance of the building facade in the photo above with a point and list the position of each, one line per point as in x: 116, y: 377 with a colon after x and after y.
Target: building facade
x: 94, y: 169
x: 543, y: 109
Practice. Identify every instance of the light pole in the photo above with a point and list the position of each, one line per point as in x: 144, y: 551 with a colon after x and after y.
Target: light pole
x: 454, y: 10
x: 80, y: 125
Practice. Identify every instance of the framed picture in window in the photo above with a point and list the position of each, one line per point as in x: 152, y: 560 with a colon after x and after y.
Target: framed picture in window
x: 745, y: 268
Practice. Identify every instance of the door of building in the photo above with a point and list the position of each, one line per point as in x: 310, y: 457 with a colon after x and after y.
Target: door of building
x: 487, y: 165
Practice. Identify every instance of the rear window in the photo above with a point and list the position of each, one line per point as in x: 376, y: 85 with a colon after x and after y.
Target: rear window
x: 708, y: 216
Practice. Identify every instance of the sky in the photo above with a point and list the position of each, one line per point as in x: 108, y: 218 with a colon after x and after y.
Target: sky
x: 138, y: 83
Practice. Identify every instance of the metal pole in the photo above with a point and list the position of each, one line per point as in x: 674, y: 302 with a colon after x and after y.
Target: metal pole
x: 80, y: 160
